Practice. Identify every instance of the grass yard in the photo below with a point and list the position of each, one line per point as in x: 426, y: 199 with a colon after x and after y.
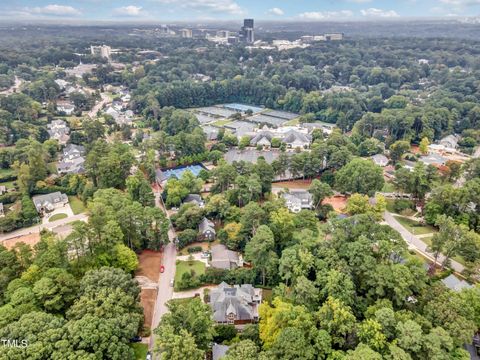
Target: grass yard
x: 57, y: 217
x: 6, y: 172
x: 292, y: 122
x: 140, y: 350
x: 8, y: 184
x: 221, y: 123
x: 186, y: 266
x: 415, y: 227
x: 205, y: 245
x: 76, y: 204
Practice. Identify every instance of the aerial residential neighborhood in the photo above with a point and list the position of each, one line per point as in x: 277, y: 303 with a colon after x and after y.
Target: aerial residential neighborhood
x: 235, y: 181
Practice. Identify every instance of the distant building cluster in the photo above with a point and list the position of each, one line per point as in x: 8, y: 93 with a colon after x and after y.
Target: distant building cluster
x: 103, y: 51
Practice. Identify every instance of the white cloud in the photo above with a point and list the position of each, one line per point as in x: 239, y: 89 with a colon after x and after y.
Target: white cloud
x: 461, y: 2
x: 129, y: 10
x: 360, y: 1
x: 276, y: 11
x: 373, y: 12
x: 54, y: 10
x: 324, y: 15
x: 211, y: 6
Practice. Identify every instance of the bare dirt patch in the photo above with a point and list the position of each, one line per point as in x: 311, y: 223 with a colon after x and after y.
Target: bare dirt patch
x: 30, y: 239
x: 338, y: 202
x: 147, y: 299
x: 296, y: 184
x: 149, y: 264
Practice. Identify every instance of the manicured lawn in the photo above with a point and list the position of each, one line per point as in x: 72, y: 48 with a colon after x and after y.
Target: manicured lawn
x: 187, y: 266
x: 140, y: 350
x: 76, y: 204
x: 205, y: 246
x: 415, y: 227
x: 57, y: 217
x: 221, y: 123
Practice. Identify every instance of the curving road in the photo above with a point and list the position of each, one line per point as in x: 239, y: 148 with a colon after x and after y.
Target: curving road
x: 416, y: 243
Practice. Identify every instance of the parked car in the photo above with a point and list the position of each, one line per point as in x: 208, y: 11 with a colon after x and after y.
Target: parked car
x: 162, y: 269
x: 136, y: 339
x: 149, y: 356
x: 172, y: 282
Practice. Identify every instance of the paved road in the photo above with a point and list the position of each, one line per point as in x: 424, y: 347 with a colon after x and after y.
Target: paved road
x: 416, y: 243
x: 37, y: 228
x: 165, y: 290
x: 93, y: 113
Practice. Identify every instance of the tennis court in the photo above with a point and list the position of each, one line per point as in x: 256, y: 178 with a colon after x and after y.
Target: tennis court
x: 179, y: 171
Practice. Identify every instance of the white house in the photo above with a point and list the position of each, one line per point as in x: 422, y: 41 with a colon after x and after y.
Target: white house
x: 297, y: 200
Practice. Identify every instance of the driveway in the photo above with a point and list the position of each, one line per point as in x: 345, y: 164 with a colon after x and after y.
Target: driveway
x: 93, y: 113
x: 66, y: 209
x: 417, y: 244
x: 48, y: 226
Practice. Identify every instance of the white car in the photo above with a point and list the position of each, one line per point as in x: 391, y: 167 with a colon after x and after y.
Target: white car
x: 172, y: 282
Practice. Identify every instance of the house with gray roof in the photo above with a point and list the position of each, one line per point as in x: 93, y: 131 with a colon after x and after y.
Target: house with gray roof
x: 237, y: 304
x: 295, y: 139
x: 72, y: 161
x: 58, y: 130
x: 454, y: 283
x: 449, y: 142
x: 206, y: 230
x: 49, y: 202
x: 380, y: 160
x: 194, y: 199
x: 262, y: 138
x: 222, y: 258
x: 297, y: 200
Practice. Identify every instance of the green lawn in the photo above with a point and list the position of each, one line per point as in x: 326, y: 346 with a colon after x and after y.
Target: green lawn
x: 7, y: 171
x: 184, y: 266
x: 140, y: 350
x: 76, y: 204
x: 292, y: 122
x: 221, y: 123
x: 57, y: 217
x: 415, y: 227
x: 8, y: 184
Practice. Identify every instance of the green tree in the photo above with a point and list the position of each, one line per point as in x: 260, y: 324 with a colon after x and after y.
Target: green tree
x: 319, y: 191
x: 259, y: 250
x: 360, y: 176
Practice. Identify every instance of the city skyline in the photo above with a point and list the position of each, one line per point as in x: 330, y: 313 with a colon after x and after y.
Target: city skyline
x: 227, y: 10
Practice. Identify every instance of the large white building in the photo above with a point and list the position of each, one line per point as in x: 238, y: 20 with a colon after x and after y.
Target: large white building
x: 103, y: 50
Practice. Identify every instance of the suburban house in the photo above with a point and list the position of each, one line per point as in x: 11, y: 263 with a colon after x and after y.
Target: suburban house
x: 2, y: 211
x: 449, y: 142
x: 206, y: 230
x: 49, y: 202
x: 454, y: 283
x: 295, y: 139
x: 3, y: 190
x: 297, y: 200
x: 237, y: 304
x: 194, y: 199
x: 380, y: 160
x: 58, y: 130
x: 262, y: 138
x: 73, y: 160
x: 66, y: 108
x: 222, y: 258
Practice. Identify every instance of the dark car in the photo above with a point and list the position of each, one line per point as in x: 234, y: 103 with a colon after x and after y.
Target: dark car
x: 136, y: 339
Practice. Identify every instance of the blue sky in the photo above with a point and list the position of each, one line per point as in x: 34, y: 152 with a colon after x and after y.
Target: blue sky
x: 192, y: 10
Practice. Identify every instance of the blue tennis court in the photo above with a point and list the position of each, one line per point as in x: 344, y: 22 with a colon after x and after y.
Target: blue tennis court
x: 178, y: 172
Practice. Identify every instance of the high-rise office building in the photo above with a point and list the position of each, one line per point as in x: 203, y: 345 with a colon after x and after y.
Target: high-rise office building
x: 247, y: 33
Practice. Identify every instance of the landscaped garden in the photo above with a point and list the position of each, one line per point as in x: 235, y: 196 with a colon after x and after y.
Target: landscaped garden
x: 57, y: 217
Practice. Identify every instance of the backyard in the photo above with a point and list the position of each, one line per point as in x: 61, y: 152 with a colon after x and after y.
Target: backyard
x: 140, y: 350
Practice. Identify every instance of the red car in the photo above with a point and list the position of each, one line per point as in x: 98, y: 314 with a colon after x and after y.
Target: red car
x: 162, y: 269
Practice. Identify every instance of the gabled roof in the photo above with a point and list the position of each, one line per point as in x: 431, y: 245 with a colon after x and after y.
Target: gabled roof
x: 261, y: 136
x: 206, y: 225
x: 193, y: 198
x: 293, y: 136
x: 240, y: 300
x: 455, y: 284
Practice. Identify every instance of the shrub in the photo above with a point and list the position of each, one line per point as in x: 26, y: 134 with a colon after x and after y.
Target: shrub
x: 194, y: 249
x: 224, y: 333
x: 401, y: 205
x: 186, y: 237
